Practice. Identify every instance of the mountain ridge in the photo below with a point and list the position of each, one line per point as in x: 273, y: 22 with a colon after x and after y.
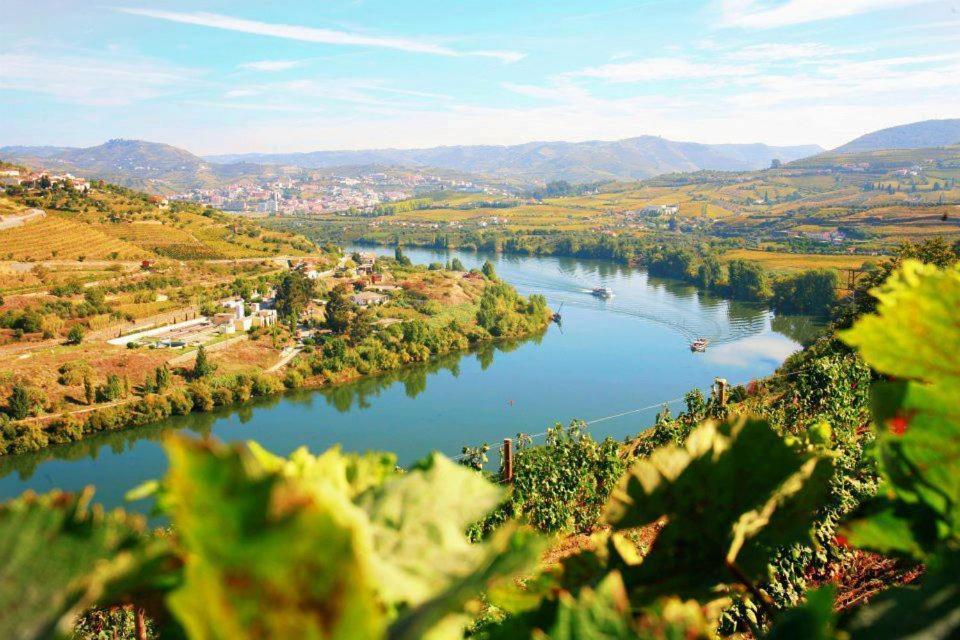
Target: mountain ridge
x: 924, y: 134
x: 161, y: 167
x: 629, y: 158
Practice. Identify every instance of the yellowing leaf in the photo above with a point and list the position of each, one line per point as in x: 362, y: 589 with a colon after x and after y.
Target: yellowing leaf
x: 267, y: 555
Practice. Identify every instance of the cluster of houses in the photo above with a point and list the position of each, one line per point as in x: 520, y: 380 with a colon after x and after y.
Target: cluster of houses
x: 243, y: 316
x: 13, y: 177
x: 660, y: 210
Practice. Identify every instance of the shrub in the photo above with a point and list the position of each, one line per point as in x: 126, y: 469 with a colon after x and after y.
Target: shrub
x: 181, y: 402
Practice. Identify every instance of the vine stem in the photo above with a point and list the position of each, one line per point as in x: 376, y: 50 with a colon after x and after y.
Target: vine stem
x: 764, y: 599
x: 141, y: 625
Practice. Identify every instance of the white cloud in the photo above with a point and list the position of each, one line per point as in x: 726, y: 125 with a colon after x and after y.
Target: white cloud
x: 796, y: 52
x: 755, y: 14
x: 313, y: 34
x: 653, y: 69
x: 90, y: 79
x: 270, y: 65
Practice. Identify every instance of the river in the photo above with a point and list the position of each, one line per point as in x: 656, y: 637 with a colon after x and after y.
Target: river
x: 609, y: 357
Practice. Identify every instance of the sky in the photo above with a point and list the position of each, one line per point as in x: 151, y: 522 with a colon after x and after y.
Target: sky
x: 234, y: 76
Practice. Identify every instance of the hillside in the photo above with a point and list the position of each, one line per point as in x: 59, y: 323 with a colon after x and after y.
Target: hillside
x: 114, y: 223
x: 575, y: 161
x: 916, y: 135
x: 158, y: 168
x: 831, y: 203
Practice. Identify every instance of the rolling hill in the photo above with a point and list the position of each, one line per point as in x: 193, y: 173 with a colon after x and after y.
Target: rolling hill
x: 627, y: 159
x: 115, y: 223
x: 916, y: 135
x: 151, y: 166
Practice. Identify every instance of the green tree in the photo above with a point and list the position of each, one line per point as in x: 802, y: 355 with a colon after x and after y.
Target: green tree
x: 89, y: 391
x: 747, y: 280
x: 21, y: 403
x: 75, y: 336
x: 456, y: 265
x: 489, y: 271
x: 202, y: 366
x: 293, y: 295
x: 161, y: 377
x: 811, y: 292
x: 339, y: 310
x: 401, y: 257
x: 709, y: 272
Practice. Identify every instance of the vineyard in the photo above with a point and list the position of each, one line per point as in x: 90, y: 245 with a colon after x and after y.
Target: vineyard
x: 59, y: 238
x: 743, y: 515
x: 114, y: 223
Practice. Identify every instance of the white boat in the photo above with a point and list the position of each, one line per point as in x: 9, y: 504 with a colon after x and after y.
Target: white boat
x: 602, y: 292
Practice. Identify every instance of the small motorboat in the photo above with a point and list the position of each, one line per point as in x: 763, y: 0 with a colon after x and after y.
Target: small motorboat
x: 602, y: 292
x: 699, y: 345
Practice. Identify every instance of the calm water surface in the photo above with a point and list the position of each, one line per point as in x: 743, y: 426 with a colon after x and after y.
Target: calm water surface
x: 608, y: 357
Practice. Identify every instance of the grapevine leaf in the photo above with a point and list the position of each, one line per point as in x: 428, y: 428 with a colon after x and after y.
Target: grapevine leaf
x: 508, y: 553
x: 602, y: 612
x: 931, y: 611
x: 914, y: 334
x: 350, y: 473
x: 762, y: 494
x: 268, y: 554
x: 815, y: 619
x: 60, y: 558
x: 419, y: 522
x: 918, y: 445
x: 891, y: 526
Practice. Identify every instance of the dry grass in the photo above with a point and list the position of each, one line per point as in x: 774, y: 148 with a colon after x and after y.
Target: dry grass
x: 778, y: 261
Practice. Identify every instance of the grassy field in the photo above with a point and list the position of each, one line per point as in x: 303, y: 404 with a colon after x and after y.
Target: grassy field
x: 779, y: 261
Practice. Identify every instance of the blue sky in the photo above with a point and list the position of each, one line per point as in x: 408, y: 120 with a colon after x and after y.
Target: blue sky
x: 233, y: 76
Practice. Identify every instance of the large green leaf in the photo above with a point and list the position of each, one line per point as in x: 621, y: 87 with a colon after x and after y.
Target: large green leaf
x: 891, y: 526
x: 730, y: 495
x: 915, y: 333
x: 509, y: 553
x: 419, y: 522
x: 351, y: 473
x: 915, y: 336
x: 425, y: 565
x: 267, y: 554
x: 59, y: 558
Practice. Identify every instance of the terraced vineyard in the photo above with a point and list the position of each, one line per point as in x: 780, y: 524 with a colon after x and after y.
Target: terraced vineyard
x: 56, y: 237
x: 112, y: 223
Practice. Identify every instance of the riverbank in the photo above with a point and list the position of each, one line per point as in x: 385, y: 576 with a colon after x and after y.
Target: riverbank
x: 794, y: 283
x: 485, y: 311
x: 608, y: 357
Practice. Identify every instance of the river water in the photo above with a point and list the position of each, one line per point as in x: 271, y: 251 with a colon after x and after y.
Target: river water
x: 609, y: 357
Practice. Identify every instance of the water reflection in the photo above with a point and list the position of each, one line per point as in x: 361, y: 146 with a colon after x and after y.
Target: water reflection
x: 610, y: 356
x: 345, y: 398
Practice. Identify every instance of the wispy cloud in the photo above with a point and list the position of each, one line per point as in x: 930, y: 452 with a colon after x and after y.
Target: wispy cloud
x: 270, y: 65
x: 757, y: 14
x: 654, y: 69
x: 91, y: 79
x: 313, y: 34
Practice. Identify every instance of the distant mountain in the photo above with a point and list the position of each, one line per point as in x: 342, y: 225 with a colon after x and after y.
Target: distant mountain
x: 632, y: 158
x: 152, y: 166
x: 161, y: 168
x: 917, y: 135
